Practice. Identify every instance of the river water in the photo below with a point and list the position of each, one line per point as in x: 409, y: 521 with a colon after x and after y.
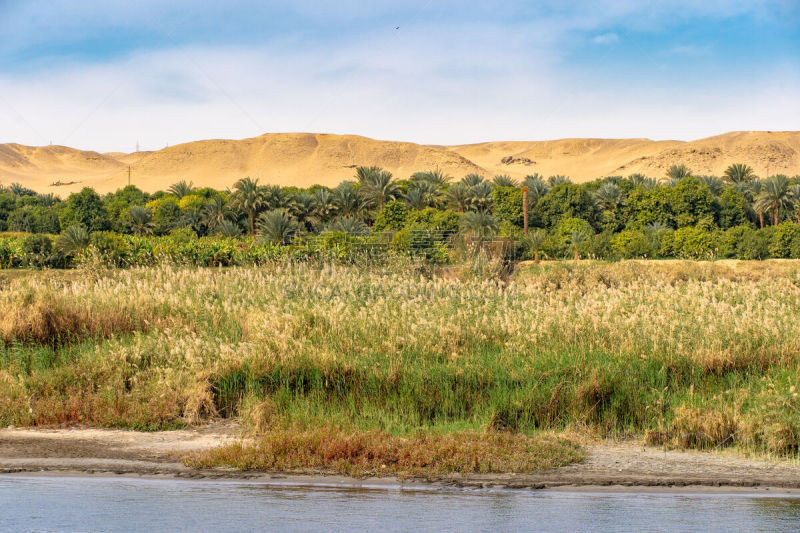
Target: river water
x: 155, y: 505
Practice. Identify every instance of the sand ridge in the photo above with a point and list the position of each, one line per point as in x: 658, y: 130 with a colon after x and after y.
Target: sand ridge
x: 304, y: 159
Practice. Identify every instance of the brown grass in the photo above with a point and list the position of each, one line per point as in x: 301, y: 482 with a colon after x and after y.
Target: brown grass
x: 47, y: 321
x: 696, y: 428
x: 369, y: 453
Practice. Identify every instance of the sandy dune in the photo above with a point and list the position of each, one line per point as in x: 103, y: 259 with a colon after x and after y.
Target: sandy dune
x: 304, y: 159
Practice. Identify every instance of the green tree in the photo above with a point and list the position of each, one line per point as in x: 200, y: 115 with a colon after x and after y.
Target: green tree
x: 140, y: 220
x: 678, y: 172
x: 166, y: 213
x: 507, y: 204
x: 630, y: 244
x: 478, y: 225
x: 739, y: 173
x: 34, y: 219
x: 278, y: 226
x: 534, y: 243
x: 181, y: 189
x: 775, y: 196
x: 782, y: 239
x: 72, y: 241
x: 392, y: 217
x: 733, y: 208
x: 377, y: 185
x: 504, y: 180
x: 691, y: 202
x: 348, y: 224
x: 85, y: 209
x: 566, y: 200
x: 118, y: 203
x: 248, y: 198
x: 348, y: 200
x: 458, y: 197
x: 7, y: 205
x: 692, y: 242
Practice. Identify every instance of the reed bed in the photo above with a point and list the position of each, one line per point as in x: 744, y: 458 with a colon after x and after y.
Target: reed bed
x: 680, y: 353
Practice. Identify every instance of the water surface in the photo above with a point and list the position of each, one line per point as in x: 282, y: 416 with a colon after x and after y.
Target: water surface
x: 155, y: 505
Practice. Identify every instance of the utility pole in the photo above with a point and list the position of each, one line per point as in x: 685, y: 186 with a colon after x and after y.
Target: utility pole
x: 525, y: 210
x: 129, y: 174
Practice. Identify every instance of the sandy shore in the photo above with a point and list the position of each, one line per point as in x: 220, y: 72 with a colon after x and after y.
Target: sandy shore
x: 610, y: 466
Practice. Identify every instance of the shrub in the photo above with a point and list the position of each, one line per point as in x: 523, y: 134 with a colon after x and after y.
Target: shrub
x: 693, y: 243
x: 753, y: 245
x: 37, y: 250
x: 111, y: 248
x: 392, y: 217
x: 780, y: 244
x: 629, y: 244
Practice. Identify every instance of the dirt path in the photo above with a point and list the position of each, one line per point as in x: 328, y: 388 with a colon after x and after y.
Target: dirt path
x: 105, y: 451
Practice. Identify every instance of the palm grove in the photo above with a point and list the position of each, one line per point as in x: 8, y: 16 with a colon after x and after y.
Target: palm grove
x: 737, y: 215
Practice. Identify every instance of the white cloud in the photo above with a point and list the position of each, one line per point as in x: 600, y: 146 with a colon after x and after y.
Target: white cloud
x: 431, y: 82
x: 606, y: 38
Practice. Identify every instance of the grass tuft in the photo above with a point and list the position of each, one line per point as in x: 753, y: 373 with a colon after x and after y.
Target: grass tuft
x: 369, y: 453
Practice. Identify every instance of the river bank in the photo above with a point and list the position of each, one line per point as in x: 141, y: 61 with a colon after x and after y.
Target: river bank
x: 609, y: 465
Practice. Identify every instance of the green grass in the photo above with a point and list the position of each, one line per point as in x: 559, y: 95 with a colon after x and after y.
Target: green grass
x: 680, y: 353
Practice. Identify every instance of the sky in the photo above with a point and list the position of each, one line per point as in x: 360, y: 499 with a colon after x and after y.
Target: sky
x: 106, y: 75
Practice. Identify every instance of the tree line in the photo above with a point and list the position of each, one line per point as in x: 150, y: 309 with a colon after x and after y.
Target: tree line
x: 678, y: 215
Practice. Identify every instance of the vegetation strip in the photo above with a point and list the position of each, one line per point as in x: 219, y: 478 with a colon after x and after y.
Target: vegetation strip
x: 683, y: 354
x: 429, y: 215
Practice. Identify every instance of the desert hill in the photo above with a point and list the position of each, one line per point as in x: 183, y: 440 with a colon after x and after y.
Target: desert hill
x: 304, y: 159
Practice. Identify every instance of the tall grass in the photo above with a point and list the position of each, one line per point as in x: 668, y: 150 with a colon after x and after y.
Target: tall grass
x: 682, y: 353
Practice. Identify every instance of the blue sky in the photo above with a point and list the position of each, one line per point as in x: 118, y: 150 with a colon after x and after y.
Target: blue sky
x: 104, y: 75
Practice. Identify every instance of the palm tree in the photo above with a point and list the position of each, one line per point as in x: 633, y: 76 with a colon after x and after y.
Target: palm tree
x: 794, y: 190
x: 471, y: 180
x: 228, y: 228
x: 49, y: 199
x: 459, y: 195
x: 640, y: 180
x: 348, y: 224
x: 434, y: 177
x: 181, y: 189
x: 678, y: 172
x: 534, y: 242
x: 607, y: 197
x: 480, y: 196
x: 139, y: 220
x: 751, y: 190
x: 422, y: 194
x: 348, y: 199
x: 377, y: 185
x: 215, y: 212
x: 739, y: 173
x: 713, y: 183
x: 325, y: 204
x: 478, y: 225
x: 536, y: 187
x: 248, y: 197
x: 72, y: 240
x: 278, y: 226
x: 274, y: 197
x: 18, y: 190
x: 775, y: 195
x: 575, y: 240
x: 304, y: 208
x: 504, y: 180
x: 558, y: 179
x: 416, y: 198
